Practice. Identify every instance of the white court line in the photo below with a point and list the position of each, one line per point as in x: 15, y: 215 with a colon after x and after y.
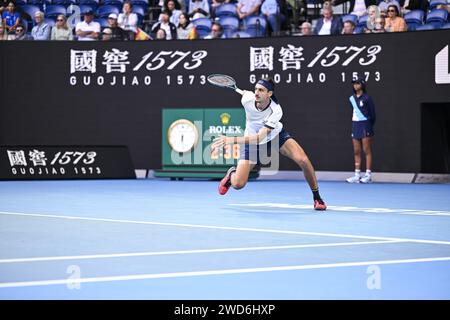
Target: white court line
x: 212, y: 272
x: 179, y: 252
x: 183, y: 225
x: 345, y: 209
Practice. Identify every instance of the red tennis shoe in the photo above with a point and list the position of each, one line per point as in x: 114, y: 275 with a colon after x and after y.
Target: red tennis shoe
x: 225, y: 183
x: 319, y: 205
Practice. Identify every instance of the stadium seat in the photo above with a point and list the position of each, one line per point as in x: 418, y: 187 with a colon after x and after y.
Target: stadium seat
x: 86, y: 7
x: 139, y: 10
x: 203, y: 26
x: 446, y: 26
x: 29, y: 10
x: 94, y: 3
x: 105, y: 11
x: 20, y: 2
x: 255, y: 26
x: 50, y: 22
x: 103, y: 22
x: 240, y: 34
x: 65, y: 3
x: 39, y: 3
x: 362, y: 21
x: 435, y: 3
x: 414, y: 19
x: 230, y: 25
x: 437, y: 18
x: 351, y: 17
x: 425, y: 27
x: 52, y: 11
x: 118, y: 3
x: 226, y: 9
x: 143, y: 3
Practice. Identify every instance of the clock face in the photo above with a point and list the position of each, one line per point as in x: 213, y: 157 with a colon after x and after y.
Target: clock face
x: 182, y: 135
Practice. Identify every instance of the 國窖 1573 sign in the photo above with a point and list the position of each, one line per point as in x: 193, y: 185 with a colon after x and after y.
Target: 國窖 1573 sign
x: 65, y: 162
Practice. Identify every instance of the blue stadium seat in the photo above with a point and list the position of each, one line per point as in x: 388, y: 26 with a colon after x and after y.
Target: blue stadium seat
x: 255, y: 26
x: 230, y: 25
x: 20, y: 2
x: 29, y: 10
x: 24, y: 22
x: 351, y: 17
x: 118, y: 3
x: 143, y: 3
x: 50, y: 22
x: 39, y: 3
x: 362, y: 21
x: 437, y: 18
x: 203, y: 26
x: 139, y: 10
x: 65, y: 3
x: 425, y: 27
x: 226, y: 9
x: 435, y: 3
x: 105, y: 11
x: 86, y: 7
x: 240, y: 34
x: 414, y: 19
x: 94, y: 3
x: 446, y: 26
x: 52, y: 11
x: 103, y: 22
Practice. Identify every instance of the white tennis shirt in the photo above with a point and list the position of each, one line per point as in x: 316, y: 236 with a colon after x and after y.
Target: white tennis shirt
x: 256, y: 119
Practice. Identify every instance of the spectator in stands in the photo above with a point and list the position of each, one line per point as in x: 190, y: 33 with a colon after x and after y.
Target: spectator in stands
x: 61, y: 31
x: 174, y: 7
x: 41, y: 30
x: 3, y: 5
x: 349, y: 27
x: 246, y: 8
x: 357, y: 7
x: 162, y: 4
x: 373, y: 13
x: 88, y: 30
x: 379, y: 25
x: 271, y: 10
x: 328, y: 24
x: 394, y: 23
x: 117, y: 33
x: 11, y: 18
x: 166, y: 25
x: 216, y: 32
x: 161, y: 34
x: 21, y: 33
x: 198, y: 9
x: 3, y: 34
x: 306, y: 29
x: 186, y: 29
x: 128, y: 20
x: 409, y: 5
x: 383, y: 6
x: 444, y: 7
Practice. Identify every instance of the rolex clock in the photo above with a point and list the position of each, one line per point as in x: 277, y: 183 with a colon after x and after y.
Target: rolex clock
x: 182, y: 135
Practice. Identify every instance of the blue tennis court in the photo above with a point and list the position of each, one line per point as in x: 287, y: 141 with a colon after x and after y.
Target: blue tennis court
x: 161, y: 239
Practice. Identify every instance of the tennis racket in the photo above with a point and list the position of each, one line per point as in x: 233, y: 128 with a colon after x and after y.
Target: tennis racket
x: 223, y: 81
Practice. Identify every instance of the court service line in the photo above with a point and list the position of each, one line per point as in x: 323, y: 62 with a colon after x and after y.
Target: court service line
x: 181, y: 252
x: 184, y: 225
x: 73, y: 281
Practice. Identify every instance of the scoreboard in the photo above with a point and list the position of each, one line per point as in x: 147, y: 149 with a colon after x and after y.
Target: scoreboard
x: 187, y: 135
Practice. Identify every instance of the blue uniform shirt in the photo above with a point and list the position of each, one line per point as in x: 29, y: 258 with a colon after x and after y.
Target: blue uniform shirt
x: 365, y: 108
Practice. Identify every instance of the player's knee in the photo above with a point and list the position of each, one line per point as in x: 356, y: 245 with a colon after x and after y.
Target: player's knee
x: 302, y: 161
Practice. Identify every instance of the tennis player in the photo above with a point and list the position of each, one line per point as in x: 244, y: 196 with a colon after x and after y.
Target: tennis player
x: 263, y: 126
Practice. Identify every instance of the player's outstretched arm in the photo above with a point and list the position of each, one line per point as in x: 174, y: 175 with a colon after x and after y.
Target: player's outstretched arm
x: 241, y: 92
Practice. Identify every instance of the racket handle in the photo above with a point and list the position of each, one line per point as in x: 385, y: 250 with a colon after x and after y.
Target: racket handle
x: 241, y: 92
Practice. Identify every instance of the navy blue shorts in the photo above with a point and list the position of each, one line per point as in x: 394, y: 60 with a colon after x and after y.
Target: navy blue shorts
x: 260, y: 153
x: 362, y: 129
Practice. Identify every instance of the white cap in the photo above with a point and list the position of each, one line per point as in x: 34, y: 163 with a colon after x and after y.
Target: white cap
x: 113, y: 16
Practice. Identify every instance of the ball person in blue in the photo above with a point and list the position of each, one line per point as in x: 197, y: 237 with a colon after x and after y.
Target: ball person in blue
x: 264, y: 132
x: 363, y: 121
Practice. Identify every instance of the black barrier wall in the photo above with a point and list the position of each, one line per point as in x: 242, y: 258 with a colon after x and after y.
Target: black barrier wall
x: 97, y: 93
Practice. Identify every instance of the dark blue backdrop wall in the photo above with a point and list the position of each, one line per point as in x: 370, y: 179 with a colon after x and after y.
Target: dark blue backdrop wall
x: 74, y: 93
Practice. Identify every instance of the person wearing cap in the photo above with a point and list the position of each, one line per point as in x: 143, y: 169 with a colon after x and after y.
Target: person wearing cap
x: 363, y: 120
x: 263, y: 139
x: 88, y: 30
x: 117, y: 33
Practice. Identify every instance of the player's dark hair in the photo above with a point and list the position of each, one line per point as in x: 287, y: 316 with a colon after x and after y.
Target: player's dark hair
x: 270, y: 80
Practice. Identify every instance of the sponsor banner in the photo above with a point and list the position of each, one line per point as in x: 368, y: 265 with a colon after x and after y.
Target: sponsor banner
x: 65, y: 162
x: 112, y: 93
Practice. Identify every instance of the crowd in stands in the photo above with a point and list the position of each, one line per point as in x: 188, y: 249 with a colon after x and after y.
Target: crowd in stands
x: 90, y: 20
